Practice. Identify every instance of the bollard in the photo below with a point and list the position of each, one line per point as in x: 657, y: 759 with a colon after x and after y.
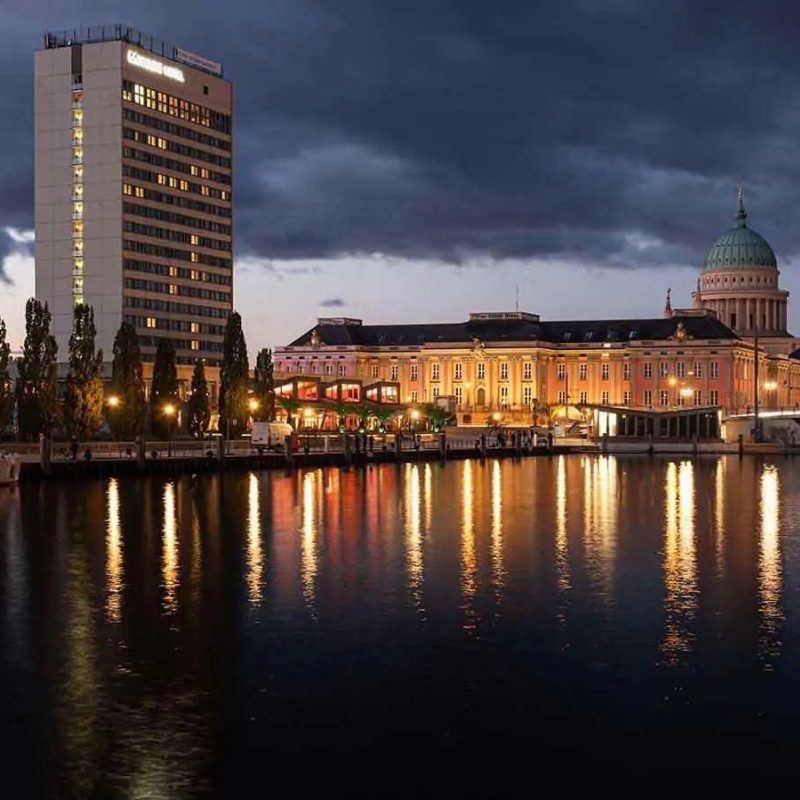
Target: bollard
x: 326, y: 444
x: 741, y: 444
x: 483, y: 445
x: 287, y: 449
x: 346, y: 449
x: 45, y: 453
x: 442, y: 446
x: 604, y: 443
x: 650, y: 448
x: 141, y: 454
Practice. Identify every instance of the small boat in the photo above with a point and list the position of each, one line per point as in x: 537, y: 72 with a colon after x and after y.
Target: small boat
x: 10, y: 464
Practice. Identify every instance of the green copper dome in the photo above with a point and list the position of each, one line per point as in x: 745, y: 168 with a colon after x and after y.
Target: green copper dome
x: 740, y: 247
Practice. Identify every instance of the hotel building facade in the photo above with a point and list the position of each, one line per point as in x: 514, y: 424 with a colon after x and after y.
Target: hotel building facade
x: 506, y: 363
x: 134, y: 178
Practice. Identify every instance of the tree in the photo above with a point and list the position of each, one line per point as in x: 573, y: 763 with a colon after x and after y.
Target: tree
x: 291, y: 407
x: 6, y: 386
x: 264, y: 386
x: 83, y: 399
x: 164, y: 401
x: 198, y: 409
x: 384, y: 416
x: 38, y: 407
x: 436, y: 415
x: 126, y: 412
x: 234, y: 410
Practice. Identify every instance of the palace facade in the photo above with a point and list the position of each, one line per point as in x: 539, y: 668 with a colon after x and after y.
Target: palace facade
x: 508, y: 363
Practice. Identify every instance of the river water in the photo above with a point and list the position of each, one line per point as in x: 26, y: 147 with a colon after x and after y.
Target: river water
x: 405, y: 630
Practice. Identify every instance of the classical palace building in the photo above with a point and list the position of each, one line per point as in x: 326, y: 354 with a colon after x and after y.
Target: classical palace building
x: 507, y: 363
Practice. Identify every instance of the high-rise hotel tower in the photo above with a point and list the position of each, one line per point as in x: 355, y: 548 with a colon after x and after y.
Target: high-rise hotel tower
x: 134, y: 212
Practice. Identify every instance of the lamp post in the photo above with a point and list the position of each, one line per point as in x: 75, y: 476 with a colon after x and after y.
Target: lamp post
x: 169, y: 411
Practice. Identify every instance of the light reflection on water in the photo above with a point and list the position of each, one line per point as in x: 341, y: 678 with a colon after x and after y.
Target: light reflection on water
x: 147, y: 646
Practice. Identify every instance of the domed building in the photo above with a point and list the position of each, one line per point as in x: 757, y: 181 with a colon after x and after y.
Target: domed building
x: 740, y: 283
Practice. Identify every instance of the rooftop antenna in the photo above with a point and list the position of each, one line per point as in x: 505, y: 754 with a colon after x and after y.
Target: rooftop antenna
x: 517, y: 298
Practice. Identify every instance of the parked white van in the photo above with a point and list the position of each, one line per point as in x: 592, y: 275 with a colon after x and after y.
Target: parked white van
x: 270, y: 435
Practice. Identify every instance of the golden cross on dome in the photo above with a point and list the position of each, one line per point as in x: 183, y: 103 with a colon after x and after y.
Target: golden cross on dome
x: 741, y: 193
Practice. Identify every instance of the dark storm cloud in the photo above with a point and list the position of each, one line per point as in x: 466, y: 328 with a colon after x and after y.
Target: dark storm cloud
x: 611, y: 133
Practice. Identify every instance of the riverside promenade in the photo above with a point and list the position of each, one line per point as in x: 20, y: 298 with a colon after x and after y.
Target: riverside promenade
x: 49, y: 459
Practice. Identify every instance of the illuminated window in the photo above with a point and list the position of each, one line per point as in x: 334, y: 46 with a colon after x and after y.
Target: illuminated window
x: 183, y: 185
x: 77, y: 228
x: 173, y: 182
x: 194, y: 239
x: 77, y: 264
x: 162, y: 179
x: 204, y: 173
x: 527, y: 395
x: 195, y: 275
x: 374, y: 371
x: 77, y: 116
x: 151, y: 322
x: 194, y: 257
x: 664, y: 398
x: 193, y: 170
x: 127, y: 189
x: 195, y: 344
x: 77, y: 190
x: 77, y: 155
x: 204, y: 190
x: 173, y: 272
x: 162, y: 143
x: 173, y: 289
x: 195, y: 327
x: 77, y: 210
x: 224, y: 194
x: 138, y: 191
x: 77, y: 247
x: 77, y: 136
x: 77, y: 174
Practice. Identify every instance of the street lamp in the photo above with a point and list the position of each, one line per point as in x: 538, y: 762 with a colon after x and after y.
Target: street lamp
x: 169, y: 411
x: 113, y: 401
